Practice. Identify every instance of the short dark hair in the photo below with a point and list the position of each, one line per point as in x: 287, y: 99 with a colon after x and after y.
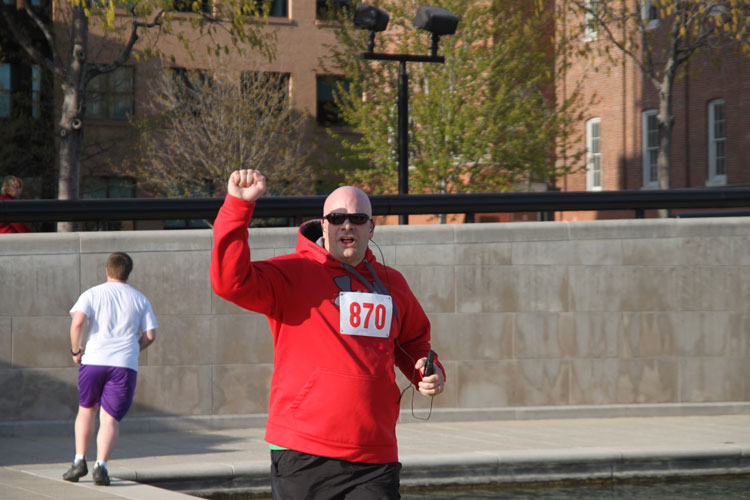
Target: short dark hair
x: 119, y: 265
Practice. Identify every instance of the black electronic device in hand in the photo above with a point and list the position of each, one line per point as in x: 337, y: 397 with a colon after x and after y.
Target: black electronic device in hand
x: 429, y: 367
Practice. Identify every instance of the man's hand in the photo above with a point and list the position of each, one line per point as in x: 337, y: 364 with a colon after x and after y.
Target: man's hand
x: 248, y: 185
x: 77, y: 358
x: 77, y: 326
x: 431, y: 385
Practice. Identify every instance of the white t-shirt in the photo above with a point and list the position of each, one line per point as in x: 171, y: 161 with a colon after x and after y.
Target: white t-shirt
x: 117, y: 314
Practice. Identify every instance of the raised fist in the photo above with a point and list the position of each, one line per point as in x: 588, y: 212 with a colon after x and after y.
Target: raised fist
x: 248, y: 184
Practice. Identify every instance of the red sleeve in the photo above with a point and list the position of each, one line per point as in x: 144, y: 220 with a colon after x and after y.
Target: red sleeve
x: 414, y: 335
x: 233, y: 276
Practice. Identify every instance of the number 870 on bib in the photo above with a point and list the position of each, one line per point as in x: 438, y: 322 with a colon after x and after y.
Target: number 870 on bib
x: 366, y: 314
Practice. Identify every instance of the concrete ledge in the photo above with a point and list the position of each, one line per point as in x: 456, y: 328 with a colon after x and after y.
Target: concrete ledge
x: 138, y: 425
x: 46, y: 483
x: 582, y: 411
x: 152, y: 241
x: 201, y: 473
x: 569, y: 466
x: 39, y: 244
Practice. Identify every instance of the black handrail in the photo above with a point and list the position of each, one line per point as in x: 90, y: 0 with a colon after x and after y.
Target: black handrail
x: 312, y: 206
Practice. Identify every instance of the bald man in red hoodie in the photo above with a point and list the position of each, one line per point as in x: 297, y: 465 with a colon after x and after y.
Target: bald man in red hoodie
x: 340, y: 322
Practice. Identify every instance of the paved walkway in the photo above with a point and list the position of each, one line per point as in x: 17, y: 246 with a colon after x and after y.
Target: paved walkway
x: 432, y: 453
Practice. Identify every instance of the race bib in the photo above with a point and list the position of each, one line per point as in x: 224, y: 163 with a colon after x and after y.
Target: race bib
x: 367, y: 314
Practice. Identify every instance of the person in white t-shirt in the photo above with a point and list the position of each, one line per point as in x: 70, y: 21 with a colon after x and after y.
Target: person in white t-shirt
x: 112, y: 323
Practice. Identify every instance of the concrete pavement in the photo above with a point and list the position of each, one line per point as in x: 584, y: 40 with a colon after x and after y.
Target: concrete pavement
x: 433, y: 453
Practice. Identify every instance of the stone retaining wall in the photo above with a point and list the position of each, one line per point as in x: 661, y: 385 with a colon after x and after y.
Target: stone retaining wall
x: 525, y: 315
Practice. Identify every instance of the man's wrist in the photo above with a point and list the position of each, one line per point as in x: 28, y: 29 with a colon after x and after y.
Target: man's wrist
x: 74, y: 353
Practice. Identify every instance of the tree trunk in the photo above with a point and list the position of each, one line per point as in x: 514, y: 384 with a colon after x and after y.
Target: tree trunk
x: 71, y: 131
x: 665, y: 121
x: 664, y: 159
x: 69, y: 163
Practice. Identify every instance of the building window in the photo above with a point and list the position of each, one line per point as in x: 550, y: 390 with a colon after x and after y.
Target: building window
x: 267, y: 91
x: 190, y: 81
x: 276, y: 8
x: 331, y: 10
x: 6, y: 87
x: 591, y: 27
x: 204, y: 191
x: 593, y: 155
x: 328, y: 113
x: 36, y: 90
x: 20, y: 90
x: 98, y: 187
x: 192, y: 5
x: 649, y: 15
x: 190, y: 85
x: 110, y: 95
x: 650, y: 149
x: 186, y: 224
x: 717, y: 143
x: 252, y: 81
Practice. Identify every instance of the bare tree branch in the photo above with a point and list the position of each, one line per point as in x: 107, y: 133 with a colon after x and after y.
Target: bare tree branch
x: 127, y: 50
x: 202, y: 126
x: 54, y: 65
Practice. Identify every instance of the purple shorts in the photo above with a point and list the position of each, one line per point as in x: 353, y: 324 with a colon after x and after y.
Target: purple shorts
x: 110, y: 387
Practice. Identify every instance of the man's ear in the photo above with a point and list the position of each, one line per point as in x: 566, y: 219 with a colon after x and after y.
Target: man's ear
x: 372, y: 226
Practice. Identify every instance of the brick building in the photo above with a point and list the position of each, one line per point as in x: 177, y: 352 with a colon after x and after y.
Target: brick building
x: 710, y: 139
x: 304, y: 34
x: 26, y: 106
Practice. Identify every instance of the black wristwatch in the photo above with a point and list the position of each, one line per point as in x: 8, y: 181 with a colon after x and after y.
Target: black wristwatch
x: 76, y: 353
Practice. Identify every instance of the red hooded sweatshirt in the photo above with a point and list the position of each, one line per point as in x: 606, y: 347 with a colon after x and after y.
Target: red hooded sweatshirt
x: 332, y: 395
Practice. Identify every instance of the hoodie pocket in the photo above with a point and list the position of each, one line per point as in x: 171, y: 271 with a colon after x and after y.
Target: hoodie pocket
x: 347, y: 408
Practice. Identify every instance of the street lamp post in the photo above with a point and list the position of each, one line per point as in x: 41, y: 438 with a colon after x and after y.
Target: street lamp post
x: 437, y: 21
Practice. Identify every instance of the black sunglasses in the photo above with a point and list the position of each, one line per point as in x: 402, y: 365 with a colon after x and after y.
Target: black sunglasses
x: 337, y: 218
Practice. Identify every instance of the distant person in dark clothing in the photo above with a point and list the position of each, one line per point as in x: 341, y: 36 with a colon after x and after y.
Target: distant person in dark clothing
x: 12, y: 189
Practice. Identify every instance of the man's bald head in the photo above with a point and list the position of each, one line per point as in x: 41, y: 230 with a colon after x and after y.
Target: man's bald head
x: 348, y: 199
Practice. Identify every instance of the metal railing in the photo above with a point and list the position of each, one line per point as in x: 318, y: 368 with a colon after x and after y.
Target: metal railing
x: 638, y: 201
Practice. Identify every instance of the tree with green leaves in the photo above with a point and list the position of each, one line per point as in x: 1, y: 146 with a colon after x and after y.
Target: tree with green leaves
x: 203, y: 124
x: 61, y: 43
x: 659, y: 37
x: 486, y: 120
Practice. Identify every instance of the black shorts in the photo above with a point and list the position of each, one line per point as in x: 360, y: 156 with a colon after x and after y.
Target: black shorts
x: 300, y: 476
